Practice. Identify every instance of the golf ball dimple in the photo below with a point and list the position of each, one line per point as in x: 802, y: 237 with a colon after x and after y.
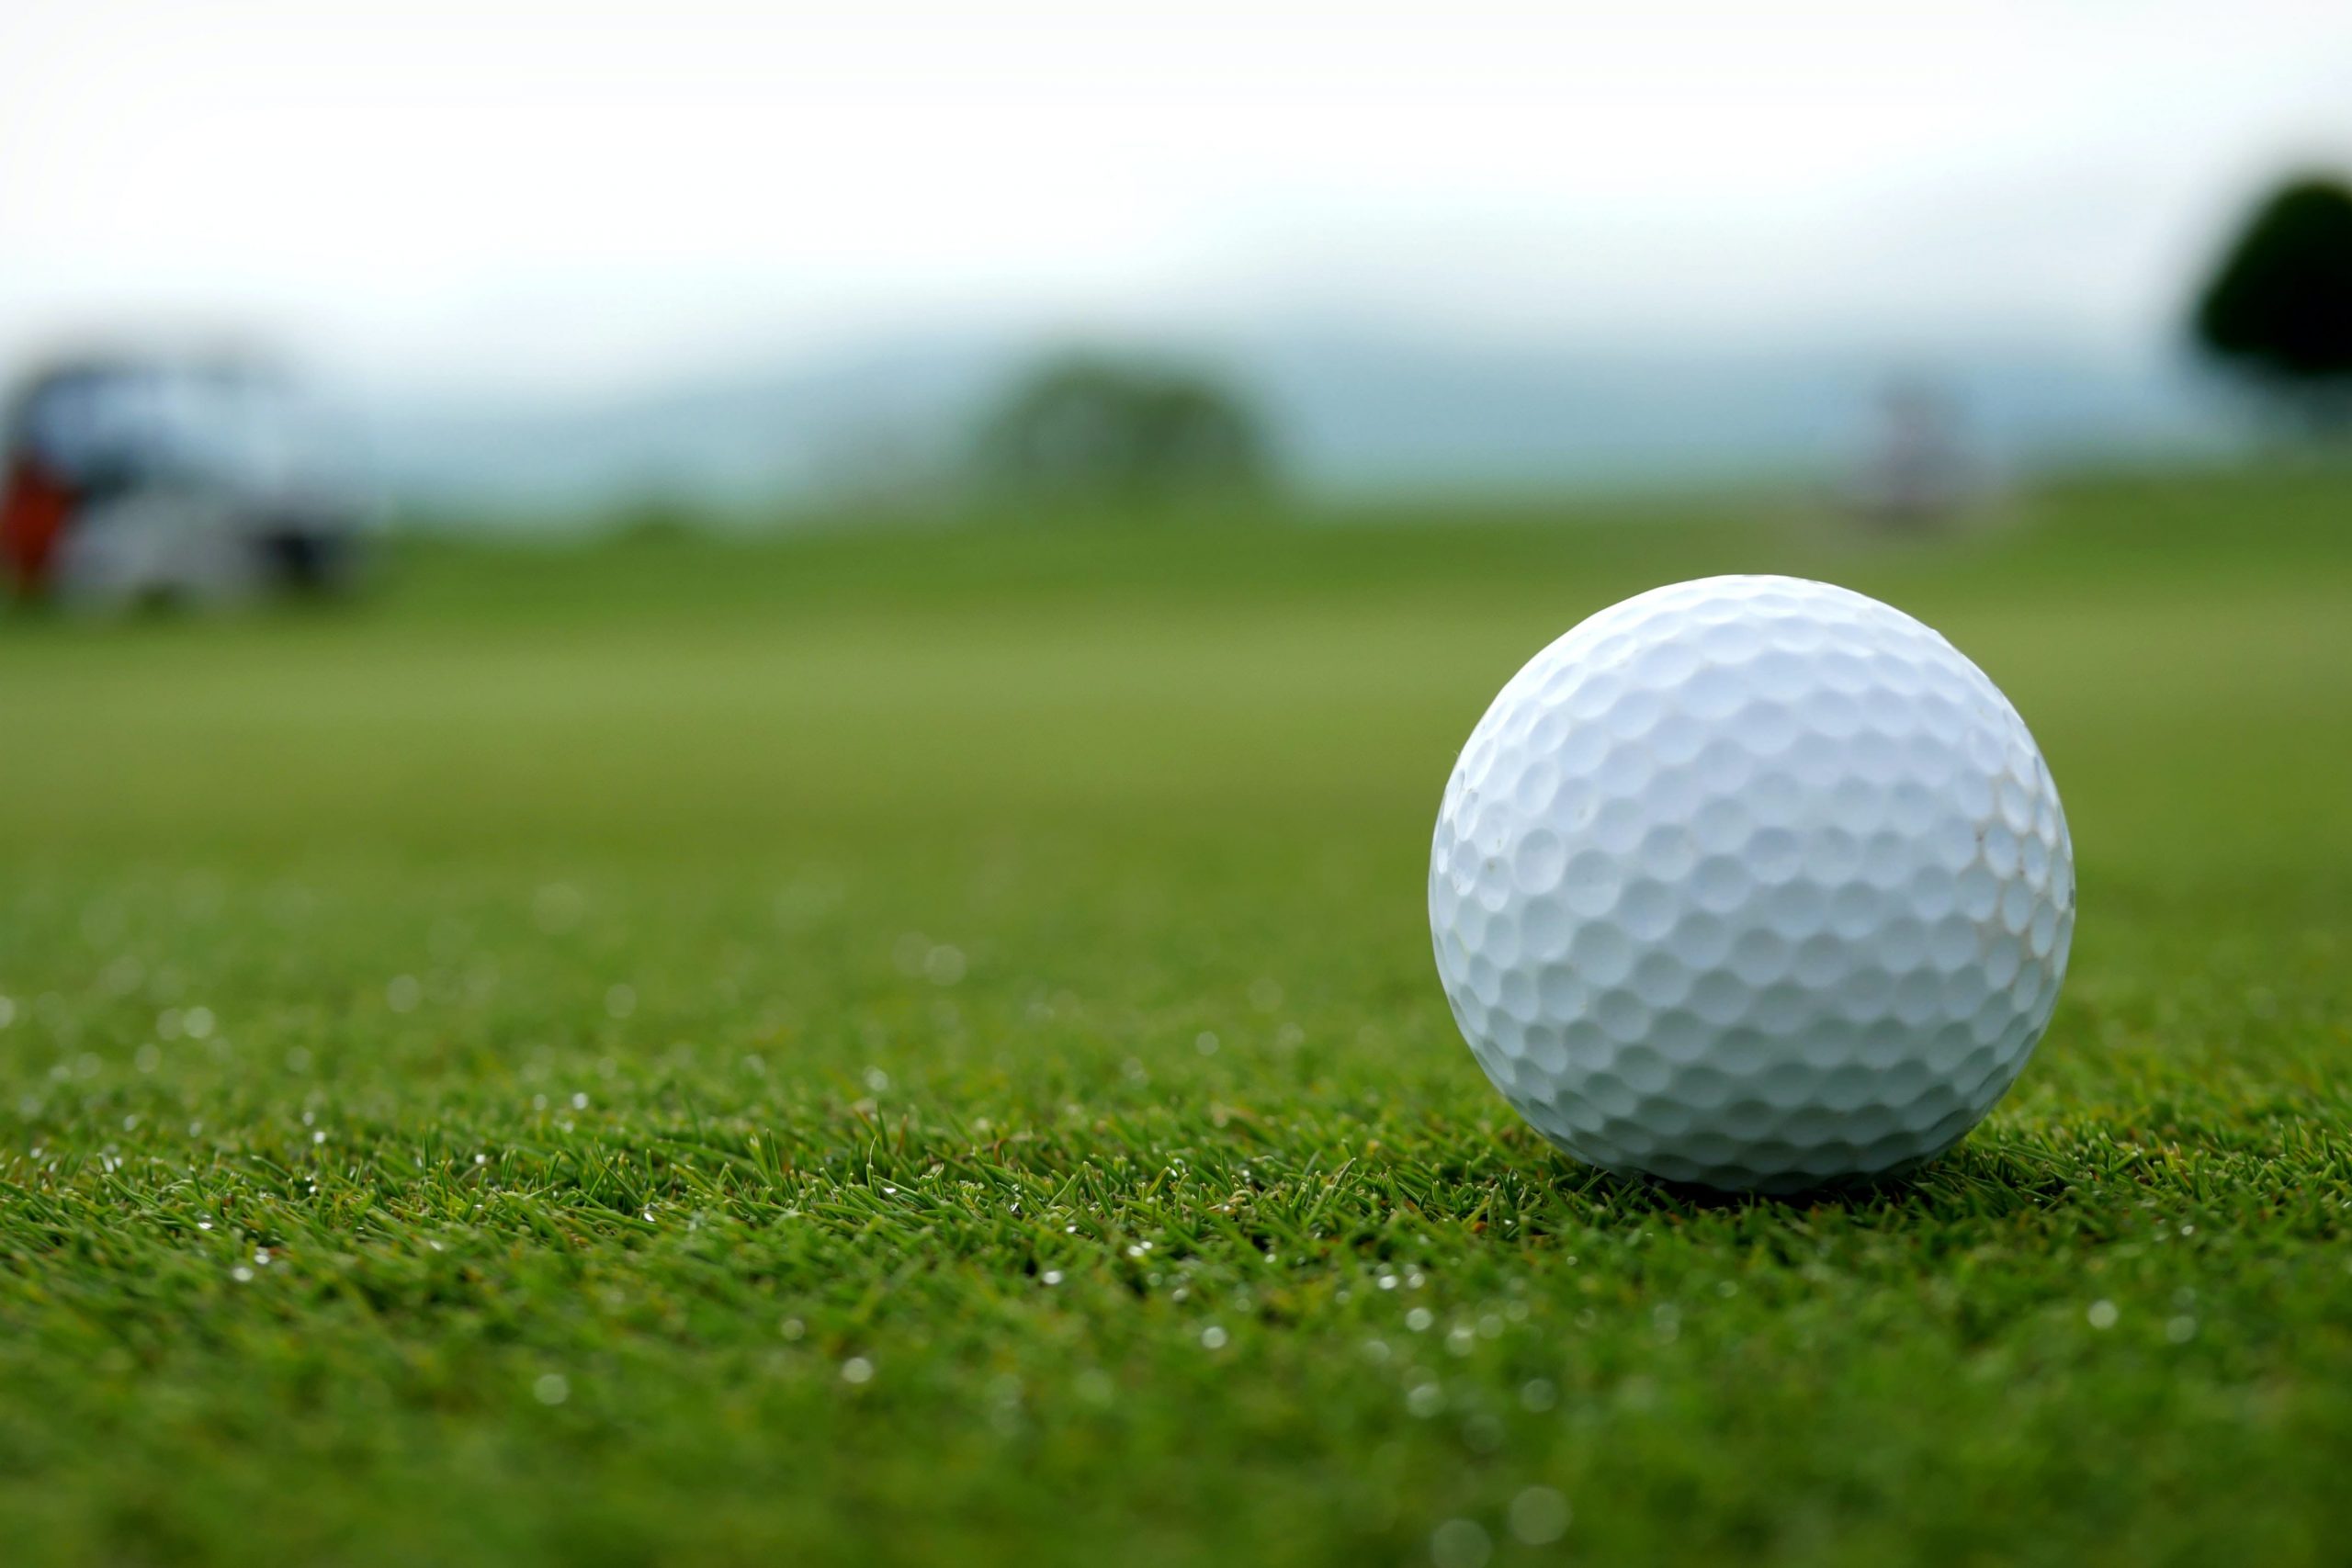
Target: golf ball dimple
x: 1753, y: 883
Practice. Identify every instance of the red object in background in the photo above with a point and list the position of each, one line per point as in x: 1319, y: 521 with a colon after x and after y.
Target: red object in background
x: 32, y: 515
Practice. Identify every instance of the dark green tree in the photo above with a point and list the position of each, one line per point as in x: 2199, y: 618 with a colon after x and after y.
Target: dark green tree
x: 2280, y: 308
x: 1097, y: 431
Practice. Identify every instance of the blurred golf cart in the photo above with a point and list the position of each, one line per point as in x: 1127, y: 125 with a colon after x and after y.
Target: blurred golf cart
x: 139, y: 481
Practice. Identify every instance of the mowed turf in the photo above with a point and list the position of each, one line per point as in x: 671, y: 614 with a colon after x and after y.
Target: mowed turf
x: 922, y: 1048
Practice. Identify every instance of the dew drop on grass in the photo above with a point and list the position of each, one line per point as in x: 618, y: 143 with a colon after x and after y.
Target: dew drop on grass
x: 1460, y: 1543
x: 2102, y: 1314
x: 1539, y: 1516
x: 1213, y: 1338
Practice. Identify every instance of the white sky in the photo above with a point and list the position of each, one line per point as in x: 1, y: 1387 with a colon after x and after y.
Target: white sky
x: 569, y: 195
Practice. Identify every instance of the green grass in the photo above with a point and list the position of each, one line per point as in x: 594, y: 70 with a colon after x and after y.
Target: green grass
x: 489, y: 1072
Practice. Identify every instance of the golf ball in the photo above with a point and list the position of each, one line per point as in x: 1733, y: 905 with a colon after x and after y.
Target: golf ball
x: 1753, y: 883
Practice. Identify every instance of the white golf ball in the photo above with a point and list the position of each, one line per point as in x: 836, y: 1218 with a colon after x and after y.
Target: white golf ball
x: 1753, y: 883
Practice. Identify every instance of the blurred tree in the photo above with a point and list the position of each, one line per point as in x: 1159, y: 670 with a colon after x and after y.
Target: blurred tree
x: 1098, y: 432
x: 2280, y: 307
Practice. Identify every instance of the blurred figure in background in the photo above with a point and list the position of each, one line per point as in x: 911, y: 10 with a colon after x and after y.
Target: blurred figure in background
x: 1918, y: 472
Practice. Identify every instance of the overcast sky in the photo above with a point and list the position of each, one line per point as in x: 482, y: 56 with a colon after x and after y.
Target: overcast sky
x: 574, y: 195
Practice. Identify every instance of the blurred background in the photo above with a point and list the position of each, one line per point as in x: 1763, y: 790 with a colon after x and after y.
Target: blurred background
x: 540, y: 265
x: 712, y: 416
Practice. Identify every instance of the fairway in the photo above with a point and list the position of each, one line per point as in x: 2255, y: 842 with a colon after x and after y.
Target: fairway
x: 922, y: 1047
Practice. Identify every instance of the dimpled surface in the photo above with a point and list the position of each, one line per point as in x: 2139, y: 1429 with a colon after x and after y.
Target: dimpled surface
x: 1754, y: 883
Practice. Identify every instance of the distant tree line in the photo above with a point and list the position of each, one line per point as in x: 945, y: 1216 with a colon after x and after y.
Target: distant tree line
x: 2278, y: 308
x: 1095, y: 432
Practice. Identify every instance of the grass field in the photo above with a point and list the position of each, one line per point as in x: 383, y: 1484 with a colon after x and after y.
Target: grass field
x: 923, y: 1049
